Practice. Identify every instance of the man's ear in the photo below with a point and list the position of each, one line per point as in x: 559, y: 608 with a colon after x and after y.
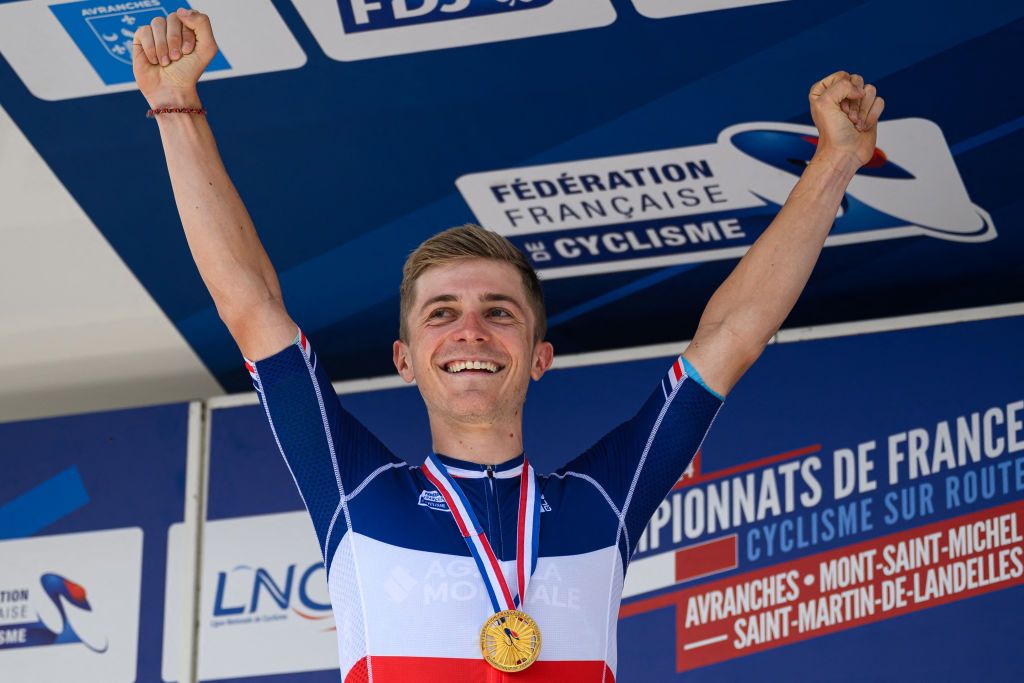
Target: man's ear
x: 402, y: 360
x: 543, y: 357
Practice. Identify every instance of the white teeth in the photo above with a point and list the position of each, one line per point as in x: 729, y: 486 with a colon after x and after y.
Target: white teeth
x: 460, y: 365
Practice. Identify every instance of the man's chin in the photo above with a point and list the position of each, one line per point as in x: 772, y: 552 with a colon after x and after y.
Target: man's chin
x: 474, y: 413
x: 471, y: 411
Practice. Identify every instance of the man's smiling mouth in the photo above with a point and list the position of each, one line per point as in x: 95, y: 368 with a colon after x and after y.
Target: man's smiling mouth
x: 457, y: 366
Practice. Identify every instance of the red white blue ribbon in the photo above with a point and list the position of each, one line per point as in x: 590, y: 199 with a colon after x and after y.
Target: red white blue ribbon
x: 527, y: 532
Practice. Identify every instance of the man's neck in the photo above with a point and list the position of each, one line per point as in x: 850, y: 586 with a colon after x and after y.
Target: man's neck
x: 486, y: 444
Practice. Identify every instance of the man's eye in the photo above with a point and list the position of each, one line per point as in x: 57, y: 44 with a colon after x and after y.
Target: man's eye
x: 500, y: 313
x: 439, y: 313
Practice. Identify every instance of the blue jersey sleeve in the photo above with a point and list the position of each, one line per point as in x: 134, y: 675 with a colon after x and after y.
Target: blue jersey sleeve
x: 327, y: 450
x: 638, y: 462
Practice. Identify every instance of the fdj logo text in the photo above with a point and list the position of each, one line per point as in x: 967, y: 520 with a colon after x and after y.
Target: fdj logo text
x: 372, y: 15
x: 248, y: 591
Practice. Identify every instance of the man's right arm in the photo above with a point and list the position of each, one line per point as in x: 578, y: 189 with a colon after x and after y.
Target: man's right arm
x: 325, y: 447
x: 169, y: 56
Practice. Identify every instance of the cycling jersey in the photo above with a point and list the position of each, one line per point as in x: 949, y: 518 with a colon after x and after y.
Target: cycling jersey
x: 407, y: 598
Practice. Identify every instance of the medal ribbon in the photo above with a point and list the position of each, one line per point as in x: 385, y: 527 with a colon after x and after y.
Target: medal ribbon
x: 527, y: 532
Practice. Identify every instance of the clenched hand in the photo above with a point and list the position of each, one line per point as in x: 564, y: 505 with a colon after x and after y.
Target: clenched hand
x: 170, y: 55
x: 845, y: 110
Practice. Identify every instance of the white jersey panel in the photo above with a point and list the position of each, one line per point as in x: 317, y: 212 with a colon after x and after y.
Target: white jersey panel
x: 402, y: 587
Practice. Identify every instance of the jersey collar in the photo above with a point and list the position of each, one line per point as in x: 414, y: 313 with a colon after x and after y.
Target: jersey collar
x: 464, y: 469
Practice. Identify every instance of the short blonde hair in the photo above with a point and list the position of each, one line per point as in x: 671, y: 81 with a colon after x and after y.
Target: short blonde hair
x: 467, y: 242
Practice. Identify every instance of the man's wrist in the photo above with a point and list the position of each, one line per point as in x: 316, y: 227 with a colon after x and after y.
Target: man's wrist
x: 174, y: 98
x: 844, y: 164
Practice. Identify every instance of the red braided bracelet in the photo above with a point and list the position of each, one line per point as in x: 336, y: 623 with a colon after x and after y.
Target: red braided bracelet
x: 176, y: 110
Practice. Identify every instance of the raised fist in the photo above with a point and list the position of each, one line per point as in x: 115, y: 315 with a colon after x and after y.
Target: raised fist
x: 170, y: 55
x: 845, y: 110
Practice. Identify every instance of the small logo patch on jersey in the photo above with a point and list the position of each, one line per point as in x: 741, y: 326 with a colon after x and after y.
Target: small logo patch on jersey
x: 433, y: 500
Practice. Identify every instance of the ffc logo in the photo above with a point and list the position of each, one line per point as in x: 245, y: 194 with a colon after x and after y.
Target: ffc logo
x: 371, y: 15
x: 68, y: 600
x: 712, y: 201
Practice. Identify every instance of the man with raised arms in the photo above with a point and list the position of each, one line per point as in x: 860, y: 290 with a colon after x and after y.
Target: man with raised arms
x: 472, y: 333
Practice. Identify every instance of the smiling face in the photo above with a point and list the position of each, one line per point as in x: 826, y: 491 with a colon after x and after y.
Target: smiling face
x: 470, y: 344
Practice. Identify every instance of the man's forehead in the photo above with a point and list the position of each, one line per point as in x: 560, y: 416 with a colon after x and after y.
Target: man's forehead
x: 473, y: 279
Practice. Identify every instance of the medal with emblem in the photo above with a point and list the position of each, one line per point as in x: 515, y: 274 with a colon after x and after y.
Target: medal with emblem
x: 510, y: 639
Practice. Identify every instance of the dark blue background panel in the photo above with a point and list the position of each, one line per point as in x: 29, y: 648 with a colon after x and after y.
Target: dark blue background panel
x: 347, y: 166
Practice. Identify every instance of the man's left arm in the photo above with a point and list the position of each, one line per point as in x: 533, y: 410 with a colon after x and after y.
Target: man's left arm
x: 750, y: 306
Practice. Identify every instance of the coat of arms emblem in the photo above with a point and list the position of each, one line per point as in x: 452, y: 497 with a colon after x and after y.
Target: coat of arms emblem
x: 116, y: 31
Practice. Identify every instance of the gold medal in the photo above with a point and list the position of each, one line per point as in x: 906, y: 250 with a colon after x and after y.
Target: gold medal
x: 510, y: 640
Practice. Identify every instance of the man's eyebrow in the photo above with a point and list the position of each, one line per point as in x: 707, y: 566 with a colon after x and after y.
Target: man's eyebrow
x: 497, y: 296
x: 488, y: 297
x: 439, y: 298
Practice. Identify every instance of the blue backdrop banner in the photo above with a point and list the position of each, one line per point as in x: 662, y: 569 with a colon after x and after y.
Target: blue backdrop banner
x: 855, y: 494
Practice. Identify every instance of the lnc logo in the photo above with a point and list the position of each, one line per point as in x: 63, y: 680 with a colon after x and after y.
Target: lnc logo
x: 249, y: 595
x: 371, y: 15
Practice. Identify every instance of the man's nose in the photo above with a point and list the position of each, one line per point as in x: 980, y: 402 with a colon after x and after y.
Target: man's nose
x: 471, y: 328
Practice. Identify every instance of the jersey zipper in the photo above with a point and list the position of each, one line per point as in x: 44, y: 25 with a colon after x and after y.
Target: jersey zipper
x: 494, y: 534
